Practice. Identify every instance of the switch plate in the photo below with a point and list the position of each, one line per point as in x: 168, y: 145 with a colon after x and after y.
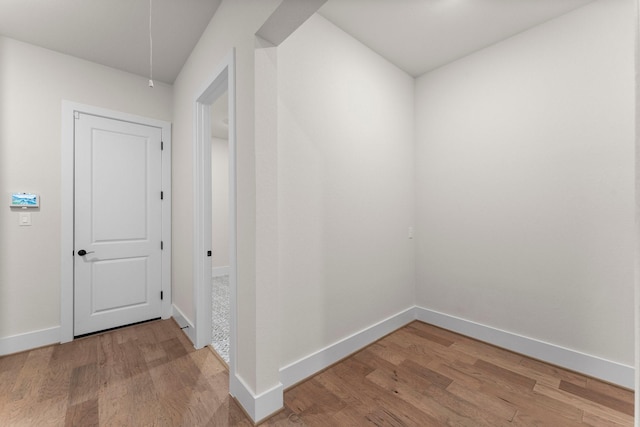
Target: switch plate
x: 410, y: 233
x: 24, y: 218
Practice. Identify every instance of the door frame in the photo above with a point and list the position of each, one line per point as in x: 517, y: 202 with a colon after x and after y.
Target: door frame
x: 69, y: 111
x: 222, y: 79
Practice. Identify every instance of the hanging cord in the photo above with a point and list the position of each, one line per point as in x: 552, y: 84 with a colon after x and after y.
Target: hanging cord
x: 150, y: 47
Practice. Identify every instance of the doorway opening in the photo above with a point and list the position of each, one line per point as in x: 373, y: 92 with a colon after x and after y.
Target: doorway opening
x: 220, y: 226
x: 215, y: 213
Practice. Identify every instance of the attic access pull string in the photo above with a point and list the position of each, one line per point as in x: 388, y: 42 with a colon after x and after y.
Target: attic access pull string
x: 150, y: 47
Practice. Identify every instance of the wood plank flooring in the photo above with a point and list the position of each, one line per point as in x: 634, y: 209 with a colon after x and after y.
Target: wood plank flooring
x: 422, y: 375
x: 150, y: 375
x: 143, y: 375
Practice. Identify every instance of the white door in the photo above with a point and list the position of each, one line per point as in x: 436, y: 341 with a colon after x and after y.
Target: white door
x: 118, y: 219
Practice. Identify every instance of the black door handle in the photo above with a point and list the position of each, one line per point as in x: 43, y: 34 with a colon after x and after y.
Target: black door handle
x: 82, y: 252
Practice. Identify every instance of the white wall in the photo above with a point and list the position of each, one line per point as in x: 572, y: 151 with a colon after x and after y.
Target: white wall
x: 345, y: 188
x: 233, y: 26
x: 220, y: 202
x: 33, y: 83
x: 524, y: 165
x: 525, y: 174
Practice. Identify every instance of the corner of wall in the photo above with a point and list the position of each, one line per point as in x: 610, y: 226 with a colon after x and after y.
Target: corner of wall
x: 322, y: 359
x: 607, y: 370
x: 257, y: 407
x: 185, y: 324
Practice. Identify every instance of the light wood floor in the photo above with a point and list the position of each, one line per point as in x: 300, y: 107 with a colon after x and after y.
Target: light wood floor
x: 150, y: 375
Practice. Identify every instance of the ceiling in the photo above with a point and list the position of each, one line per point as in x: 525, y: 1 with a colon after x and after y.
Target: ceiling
x: 416, y: 35
x: 420, y: 35
x: 112, y: 32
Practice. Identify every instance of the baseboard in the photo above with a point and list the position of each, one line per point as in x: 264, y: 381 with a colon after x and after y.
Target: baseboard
x: 593, y: 366
x: 613, y: 372
x: 258, y: 407
x: 29, y: 340
x: 310, y: 365
x: 185, y: 324
x: 219, y: 271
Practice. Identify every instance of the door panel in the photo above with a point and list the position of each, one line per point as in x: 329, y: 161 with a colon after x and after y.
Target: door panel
x: 120, y: 174
x: 111, y: 284
x: 118, y: 222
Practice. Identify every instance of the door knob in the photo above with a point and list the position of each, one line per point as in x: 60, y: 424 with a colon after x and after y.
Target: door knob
x: 82, y: 252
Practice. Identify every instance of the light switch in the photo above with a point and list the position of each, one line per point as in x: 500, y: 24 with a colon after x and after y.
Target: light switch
x: 25, y: 218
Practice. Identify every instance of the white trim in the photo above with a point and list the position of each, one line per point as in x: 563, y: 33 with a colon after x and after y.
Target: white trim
x: 261, y: 406
x: 184, y: 323
x: 219, y: 82
x: 29, y: 340
x: 593, y: 366
x: 636, y: 284
x: 201, y: 226
x: 167, y: 301
x: 223, y: 79
x: 67, y: 207
x: 310, y: 365
x: 606, y: 370
x: 66, y: 226
x: 219, y: 271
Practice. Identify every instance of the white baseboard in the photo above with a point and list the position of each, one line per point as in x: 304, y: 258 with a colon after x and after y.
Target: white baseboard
x: 310, y: 365
x: 29, y: 340
x: 185, y: 324
x: 593, y: 366
x: 261, y: 406
x: 219, y: 271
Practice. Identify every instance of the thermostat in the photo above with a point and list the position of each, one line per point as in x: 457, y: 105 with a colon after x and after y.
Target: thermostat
x: 25, y: 200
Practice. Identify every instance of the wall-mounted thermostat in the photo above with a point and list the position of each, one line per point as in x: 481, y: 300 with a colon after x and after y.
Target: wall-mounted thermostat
x: 25, y: 200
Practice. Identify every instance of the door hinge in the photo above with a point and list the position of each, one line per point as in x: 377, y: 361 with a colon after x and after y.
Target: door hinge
x: 161, y: 245
x: 208, y: 253
x: 162, y: 195
x: 161, y: 295
x: 161, y: 145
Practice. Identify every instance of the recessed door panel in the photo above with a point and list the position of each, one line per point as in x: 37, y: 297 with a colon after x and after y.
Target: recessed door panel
x: 115, y: 284
x: 119, y: 186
